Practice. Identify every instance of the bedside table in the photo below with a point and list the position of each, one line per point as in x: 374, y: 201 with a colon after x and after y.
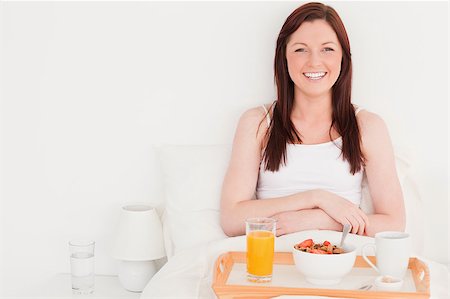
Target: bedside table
x: 106, y: 286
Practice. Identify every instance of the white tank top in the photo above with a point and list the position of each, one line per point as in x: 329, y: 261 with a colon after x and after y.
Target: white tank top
x: 315, y: 166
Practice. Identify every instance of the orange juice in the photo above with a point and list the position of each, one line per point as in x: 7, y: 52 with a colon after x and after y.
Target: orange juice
x: 260, y: 248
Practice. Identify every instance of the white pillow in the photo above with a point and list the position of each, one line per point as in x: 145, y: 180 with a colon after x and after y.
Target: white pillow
x: 192, y: 179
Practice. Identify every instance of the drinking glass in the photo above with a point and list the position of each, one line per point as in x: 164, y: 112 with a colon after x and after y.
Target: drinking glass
x: 260, y: 248
x: 82, y: 266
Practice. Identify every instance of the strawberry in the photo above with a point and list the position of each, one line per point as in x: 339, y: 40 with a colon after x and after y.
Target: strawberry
x: 306, y: 243
x: 318, y: 251
x: 326, y: 243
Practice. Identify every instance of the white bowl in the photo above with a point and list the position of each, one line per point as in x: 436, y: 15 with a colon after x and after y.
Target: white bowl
x: 325, y: 269
x: 388, y: 283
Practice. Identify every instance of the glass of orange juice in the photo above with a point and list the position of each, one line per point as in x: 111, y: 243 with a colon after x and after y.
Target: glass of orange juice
x: 260, y: 248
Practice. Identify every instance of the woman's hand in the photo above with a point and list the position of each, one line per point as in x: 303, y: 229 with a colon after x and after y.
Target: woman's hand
x: 294, y: 221
x: 342, y: 210
x: 289, y: 222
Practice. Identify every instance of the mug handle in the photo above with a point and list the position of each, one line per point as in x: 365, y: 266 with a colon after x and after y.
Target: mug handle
x: 365, y: 257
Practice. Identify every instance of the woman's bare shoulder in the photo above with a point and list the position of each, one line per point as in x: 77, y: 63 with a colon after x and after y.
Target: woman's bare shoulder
x: 369, y: 121
x: 374, y: 132
x: 253, y: 113
x: 253, y: 121
x: 257, y: 111
x: 255, y: 116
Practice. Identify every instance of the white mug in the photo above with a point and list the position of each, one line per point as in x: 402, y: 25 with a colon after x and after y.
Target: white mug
x: 393, y: 250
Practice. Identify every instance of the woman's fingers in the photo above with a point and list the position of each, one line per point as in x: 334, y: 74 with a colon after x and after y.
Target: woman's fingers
x: 355, y: 227
x: 280, y: 232
x: 361, y: 224
x: 353, y: 223
x: 361, y: 229
x: 357, y: 223
x: 365, y: 220
x: 361, y: 218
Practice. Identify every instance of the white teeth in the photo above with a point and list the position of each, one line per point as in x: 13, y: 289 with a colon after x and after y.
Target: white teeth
x: 315, y: 75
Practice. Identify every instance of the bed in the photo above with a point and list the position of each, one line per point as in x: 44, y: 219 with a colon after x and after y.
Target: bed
x: 192, y: 177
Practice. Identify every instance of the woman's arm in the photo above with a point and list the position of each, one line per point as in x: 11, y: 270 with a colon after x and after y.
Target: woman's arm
x: 240, y: 181
x: 384, y: 186
x: 332, y: 212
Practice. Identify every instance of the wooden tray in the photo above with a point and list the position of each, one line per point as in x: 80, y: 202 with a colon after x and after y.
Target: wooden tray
x: 420, y: 280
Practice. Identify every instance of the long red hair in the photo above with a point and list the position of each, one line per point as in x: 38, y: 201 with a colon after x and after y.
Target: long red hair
x: 281, y: 130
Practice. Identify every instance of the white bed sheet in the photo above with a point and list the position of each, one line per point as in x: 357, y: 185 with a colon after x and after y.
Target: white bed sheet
x: 188, y: 274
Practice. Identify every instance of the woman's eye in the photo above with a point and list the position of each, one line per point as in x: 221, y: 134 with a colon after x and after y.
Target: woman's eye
x: 328, y: 49
x: 300, y: 50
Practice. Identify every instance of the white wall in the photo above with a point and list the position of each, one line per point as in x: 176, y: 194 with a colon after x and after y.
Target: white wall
x: 88, y: 88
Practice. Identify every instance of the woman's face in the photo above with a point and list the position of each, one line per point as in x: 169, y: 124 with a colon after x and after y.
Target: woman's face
x: 314, y: 57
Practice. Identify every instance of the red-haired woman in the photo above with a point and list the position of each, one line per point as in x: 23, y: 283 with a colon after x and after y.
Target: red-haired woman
x: 301, y: 159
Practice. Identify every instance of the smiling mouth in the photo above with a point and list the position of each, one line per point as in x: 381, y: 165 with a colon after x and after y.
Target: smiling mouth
x: 315, y: 76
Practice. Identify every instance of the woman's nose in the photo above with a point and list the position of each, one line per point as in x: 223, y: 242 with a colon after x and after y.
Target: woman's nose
x: 314, y: 59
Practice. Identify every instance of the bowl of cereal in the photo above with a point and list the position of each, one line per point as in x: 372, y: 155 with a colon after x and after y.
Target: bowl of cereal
x: 323, y: 263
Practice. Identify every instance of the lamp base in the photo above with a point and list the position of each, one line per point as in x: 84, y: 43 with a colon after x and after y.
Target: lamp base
x: 134, y: 275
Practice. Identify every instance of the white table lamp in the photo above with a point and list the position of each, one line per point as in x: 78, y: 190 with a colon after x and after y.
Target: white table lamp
x: 139, y: 241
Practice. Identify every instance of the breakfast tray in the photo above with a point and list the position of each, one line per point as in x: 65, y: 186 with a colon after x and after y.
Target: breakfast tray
x: 230, y: 280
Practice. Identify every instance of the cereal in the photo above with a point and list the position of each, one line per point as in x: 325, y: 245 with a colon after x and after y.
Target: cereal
x: 318, y: 248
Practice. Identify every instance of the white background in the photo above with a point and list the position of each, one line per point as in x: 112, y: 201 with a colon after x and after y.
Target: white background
x: 87, y: 90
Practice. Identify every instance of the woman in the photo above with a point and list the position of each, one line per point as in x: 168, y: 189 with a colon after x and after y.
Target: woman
x: 302, y: 158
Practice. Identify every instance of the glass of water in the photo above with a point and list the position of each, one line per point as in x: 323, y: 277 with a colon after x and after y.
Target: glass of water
x: 82, y: 266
